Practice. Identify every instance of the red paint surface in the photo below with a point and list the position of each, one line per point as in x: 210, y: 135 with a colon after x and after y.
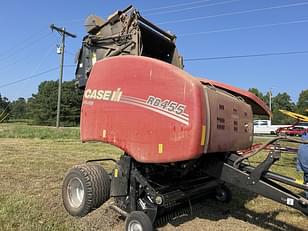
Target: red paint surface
x: 149, y: 133
x: 138, y: 130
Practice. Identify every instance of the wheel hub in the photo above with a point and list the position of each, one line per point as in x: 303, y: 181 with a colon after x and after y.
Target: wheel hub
x: 134, y: 226
x: 75, y: 192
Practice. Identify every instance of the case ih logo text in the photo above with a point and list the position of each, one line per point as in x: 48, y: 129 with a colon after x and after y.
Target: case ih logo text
x: 103, y: 94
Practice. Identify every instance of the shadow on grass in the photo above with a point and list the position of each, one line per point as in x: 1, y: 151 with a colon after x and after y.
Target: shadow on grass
x: 216, y: 211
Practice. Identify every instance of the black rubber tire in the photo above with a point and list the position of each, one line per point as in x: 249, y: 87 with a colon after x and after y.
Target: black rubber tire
x: 138, y: 217
x: 96, y: 184
x: 223, y: 194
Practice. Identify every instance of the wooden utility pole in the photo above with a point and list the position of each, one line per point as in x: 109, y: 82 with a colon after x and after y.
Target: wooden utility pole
x: 270, y: 103
x: 63, y: 33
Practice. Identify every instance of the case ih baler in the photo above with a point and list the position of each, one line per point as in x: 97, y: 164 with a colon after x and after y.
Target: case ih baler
x: 180, y: 135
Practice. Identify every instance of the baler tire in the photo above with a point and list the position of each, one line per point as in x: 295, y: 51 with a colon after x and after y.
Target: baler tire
x: 223, y: 194
x: 140, y: 219
x: 92, y: 189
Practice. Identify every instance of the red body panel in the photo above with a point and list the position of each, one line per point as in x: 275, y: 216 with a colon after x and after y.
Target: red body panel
x: 152, y: 110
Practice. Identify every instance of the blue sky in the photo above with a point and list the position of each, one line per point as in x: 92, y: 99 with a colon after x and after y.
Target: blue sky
x: 28, y: 47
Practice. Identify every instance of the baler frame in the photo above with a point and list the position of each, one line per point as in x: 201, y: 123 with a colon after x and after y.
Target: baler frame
x: 142, y: 194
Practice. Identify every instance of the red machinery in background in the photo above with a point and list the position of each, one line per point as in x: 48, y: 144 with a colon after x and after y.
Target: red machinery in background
x: 179, y: 134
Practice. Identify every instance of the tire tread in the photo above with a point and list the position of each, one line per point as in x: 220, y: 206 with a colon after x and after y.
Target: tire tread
x: 96, y: 184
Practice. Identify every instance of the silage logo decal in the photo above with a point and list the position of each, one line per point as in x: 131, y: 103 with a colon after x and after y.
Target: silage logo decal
x: 166, y: 107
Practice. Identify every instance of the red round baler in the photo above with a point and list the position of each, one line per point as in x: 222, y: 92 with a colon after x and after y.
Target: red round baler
x: 181, y: 136
x: 158, y: 113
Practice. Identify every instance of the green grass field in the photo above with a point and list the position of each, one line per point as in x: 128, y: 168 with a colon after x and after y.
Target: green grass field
x: 34, y: 160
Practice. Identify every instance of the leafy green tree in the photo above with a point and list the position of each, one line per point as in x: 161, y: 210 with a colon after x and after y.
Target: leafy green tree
x: 263, y: 97
x: 282, y: 101
x: 302, y: 103
x: 71, y: 103
x: 19, y: 109
x: 43, y: 105
x: 4, y: 108
x: 257, y: 93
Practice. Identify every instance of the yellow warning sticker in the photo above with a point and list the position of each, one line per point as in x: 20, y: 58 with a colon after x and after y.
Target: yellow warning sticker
x: 116, y: 172
x: 203, y: 134
x: 160, y: 148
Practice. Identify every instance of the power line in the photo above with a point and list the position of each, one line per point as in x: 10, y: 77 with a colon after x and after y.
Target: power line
x: 29, y: 77
x: 199, y: 18
x: 187, y: 60
x: 73, y: 21
x: 17, y: 49
x: 246, y: 56
x: 191, y: 8
x: 244, y: 28
x: 33, y: 76
x: 43, y: 59
x: 11, y: 65
x: 175, y: 5
x: 25, y: 40
x: 234, y: 13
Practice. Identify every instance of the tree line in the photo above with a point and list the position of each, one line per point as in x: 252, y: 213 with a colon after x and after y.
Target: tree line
x: 283, y: 101
x: 41, y: 108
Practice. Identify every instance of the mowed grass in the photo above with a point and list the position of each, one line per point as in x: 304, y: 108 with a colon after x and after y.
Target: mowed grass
x: 32, y: 166
x: 20, y: 130
x: 34, y: 160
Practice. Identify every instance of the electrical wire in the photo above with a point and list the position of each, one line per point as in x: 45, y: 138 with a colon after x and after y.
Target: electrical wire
x: 11, y: 65
x: 175, y: 5
x: 244, y: 28
x: 74, y: 21
x: 17, y: 49
x: 29, y: 77
x: 186, y: 60
x: 191, y: 8
x: 234, y: 13
x: 24, y: 41
x: 246, y: 56
x: 42, y: 61
x: 33, y: 76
